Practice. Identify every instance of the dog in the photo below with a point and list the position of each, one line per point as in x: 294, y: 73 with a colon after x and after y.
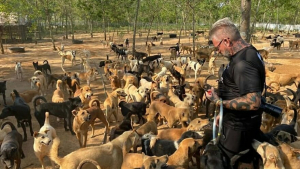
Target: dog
x: 177, y: 75
x: 118, y: 130
x: 188, y: 101
x: 164, y: 85
x: 21, y: 111
x: 2, y: 91
x: 288, y: 156
x: 159, y: 147
x: 212, y: 65
x: 151, y: 85
x: 212, y: 157
x: 43, y: 141
x: 137, y: 160
x: 19, y: 71
x: 72, y: 84
x: 179, y: 91
x: 61, y: 110
x: 170, y: 113
x: 111, y: 103
x: 38, y: 81
x: 69, y: 55
x: 196, y: 66
x: 88, y: 76
x: 43, y: 68
x: 6, y: 129
x: 58, y: 95
x: 175, y: 133
x: 160, y: 74
x: 85, y: 94
x: 86, y: 161
x: 84, y: 118
x: 186, y: 48
x: 27, y: 95
x: 181, y: 157
x: 136, y: 94
x: 11, y: 148
x: 137, y: 108
x: 109, y: 155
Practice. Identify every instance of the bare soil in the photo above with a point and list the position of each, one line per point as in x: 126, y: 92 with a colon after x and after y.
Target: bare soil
x: 285, y: 61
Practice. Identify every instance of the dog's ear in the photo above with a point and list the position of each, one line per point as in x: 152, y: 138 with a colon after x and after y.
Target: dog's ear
x: 276, y: 133
x: 46, y: 131
x: 183, y: 85
x: 184, y: 95
x: 74, y: 112
x: 293, y: 138
x: 35, y: 134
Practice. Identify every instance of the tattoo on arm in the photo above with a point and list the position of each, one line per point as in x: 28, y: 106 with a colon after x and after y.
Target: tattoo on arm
x: 250, y: 101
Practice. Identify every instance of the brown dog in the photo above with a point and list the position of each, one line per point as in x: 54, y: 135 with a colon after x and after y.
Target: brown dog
x: 186, y: 48
x: 170, y: 113
x: 84, y: 118
x: 109, y: 155
x: 137, y: 160
x: 85, y: 93
x: 175, y: 133
x: 88, y: 76
x: 111, y: 103
x: 27, y: 95
x: 184, y: 152
x: 115, y: 82
x: 288, y: 156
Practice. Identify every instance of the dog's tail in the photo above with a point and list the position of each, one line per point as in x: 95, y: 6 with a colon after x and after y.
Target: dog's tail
x: 205, y: 81
x: 95, y: 163
x: 47, y: 118
x: 16, y: 93
x: 10, y: 124
x: 45, y: 62
x: 93, y: 101
x: 58, y: 84
x: 294, y: 120
x: 75, y: 82
x: 37, y: 98
x: 54, y: 151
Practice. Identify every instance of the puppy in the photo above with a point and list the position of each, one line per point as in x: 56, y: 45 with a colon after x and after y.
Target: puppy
x: 170, y: 113
x: 43, y: 141
x: 61, y: 110
x: 43, y: 68
x: 85, y: 94
x: 88, y: 76
x: 2, y: 91
x: 27, y: 95
x: 21, y: 111
x: 111, y: 103
x: 11, y: 148
x: 19, y: 71
x: 84, y: 118
x: 212, y: 65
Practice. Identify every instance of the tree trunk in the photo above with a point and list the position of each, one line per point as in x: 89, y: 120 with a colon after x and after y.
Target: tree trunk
x: 255, y: 18
x: 91, y: 28
x: 66, y: 28
x: 152, y: 19
x: 134, y: 26
x: 103, y: 26
x: 72, y: 27
x: 245, y: 23
x: 193, y: 32
x: 1, y: 45
x: 264, y: 31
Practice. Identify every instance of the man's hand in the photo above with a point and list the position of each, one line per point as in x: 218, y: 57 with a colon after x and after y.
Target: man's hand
x: 212, y: 95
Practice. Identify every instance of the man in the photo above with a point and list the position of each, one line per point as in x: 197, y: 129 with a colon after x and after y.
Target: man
x: 240, y: 88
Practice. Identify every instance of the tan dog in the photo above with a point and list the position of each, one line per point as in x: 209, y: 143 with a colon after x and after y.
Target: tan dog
x: 85, y: 93
x: 130, y: 79
x: 38, y: 81
x: 149, y: 85
x: 136, y: 94
x: 283, y: 79
x: 83, y: 163
x: 173, y: 53
x: 164, y: 84
x: 181, y: 157
x: 111, y: 103
x: 137, y: 160
x: 175, y: 133
x: 294, y: 44
x: 212, y: 65
x: 85, y: 118
x: 170, y: 113
x: 115, y: 82
x: 43, y: 141
x: 158, y: 96
x: 4, y: 132
x: 27, y: 95
x: 269, y: 154
x: 263, y: 53
x: 108, y: 156
x: 186, y: 48
x: 288, y: 156
x: 58, y: 95
x: 88, y: 76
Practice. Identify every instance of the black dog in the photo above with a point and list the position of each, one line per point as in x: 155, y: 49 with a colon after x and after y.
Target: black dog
x: 139, y: 55
x: 163, y: 147
x: 151, y: 58
x: 103, y: 62
x: 125, y: 125
x: 72, y: 82
x: 21, y: 111
x: 11, y: 148
x: 137, y: 108
x: 159, y: 33
x: 61, y: 110
x: 144, y: 68
x: 154, y: 38
x: 179, y: 91
x: 2, y: 91
x: 177, y: 75
x: 42, y: 68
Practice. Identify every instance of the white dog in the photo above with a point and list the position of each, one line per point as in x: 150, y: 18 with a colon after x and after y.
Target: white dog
x: 43, y: 141
x: 19, y: 71
x: 136, y: 94
x: 195, y: 66
x: 160, y: 74
x: 39, y: 81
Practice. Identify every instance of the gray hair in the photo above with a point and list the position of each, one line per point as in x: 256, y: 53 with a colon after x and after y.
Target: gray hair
x: 226, y: 27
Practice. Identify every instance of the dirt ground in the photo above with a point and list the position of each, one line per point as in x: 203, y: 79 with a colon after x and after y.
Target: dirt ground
x: 285, y: 61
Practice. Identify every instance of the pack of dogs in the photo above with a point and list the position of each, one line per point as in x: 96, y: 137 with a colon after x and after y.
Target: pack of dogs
x: 147, y: 91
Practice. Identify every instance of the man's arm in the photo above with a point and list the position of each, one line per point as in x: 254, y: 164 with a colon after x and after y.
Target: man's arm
x: 250, y: 101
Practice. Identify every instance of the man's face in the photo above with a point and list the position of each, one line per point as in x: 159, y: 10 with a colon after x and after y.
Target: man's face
x: 222, y: 46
